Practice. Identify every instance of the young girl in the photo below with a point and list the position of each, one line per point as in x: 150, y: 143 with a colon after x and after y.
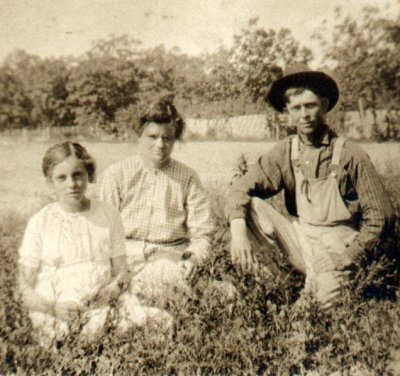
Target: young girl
x: 72, y: 258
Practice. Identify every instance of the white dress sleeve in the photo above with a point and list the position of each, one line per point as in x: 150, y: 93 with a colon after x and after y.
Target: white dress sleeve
x: 117, y: 235
x: 31, y: 247
x: 109, y: 190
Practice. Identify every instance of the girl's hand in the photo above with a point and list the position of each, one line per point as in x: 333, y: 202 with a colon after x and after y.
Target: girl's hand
x: 67, y: 310
x: 106, y: 294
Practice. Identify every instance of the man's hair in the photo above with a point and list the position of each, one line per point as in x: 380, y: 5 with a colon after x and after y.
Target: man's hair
x: 161, y: 111
x: 298, y: 90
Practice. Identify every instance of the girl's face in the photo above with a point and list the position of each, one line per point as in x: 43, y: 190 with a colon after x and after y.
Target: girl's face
x: 156, y: 143
x: 69, y: 180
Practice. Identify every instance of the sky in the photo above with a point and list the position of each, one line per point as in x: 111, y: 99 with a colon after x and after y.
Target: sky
x: 68, y: 27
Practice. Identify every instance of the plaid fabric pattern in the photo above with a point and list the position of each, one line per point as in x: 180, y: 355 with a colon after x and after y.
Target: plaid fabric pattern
x: 160, y: 207
x: 359, y: 185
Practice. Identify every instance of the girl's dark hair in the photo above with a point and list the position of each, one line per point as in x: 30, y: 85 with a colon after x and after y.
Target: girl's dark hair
x: 58, y: 152
x: 162, y: 111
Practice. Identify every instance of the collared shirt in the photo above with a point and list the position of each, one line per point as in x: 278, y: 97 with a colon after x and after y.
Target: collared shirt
x: 359, y: 184
x: 160, y: 207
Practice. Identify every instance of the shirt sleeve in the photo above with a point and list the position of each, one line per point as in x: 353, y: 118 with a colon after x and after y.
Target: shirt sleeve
x: 377, y: 211
x: 263, y: 179
x: 117, y: 235
x: 109, y: 190
x: 31, y: 247
x: 199, y: 220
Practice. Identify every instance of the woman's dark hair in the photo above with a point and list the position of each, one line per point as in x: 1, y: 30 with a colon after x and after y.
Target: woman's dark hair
x: 59, y: 152
x: 162, y: 112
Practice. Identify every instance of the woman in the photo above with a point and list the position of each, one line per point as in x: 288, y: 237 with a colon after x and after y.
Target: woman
x: 163, y: 205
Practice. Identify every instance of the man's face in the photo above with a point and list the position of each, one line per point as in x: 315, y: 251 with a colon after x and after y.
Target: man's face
x: 307, y: 112
x: 156, y: 143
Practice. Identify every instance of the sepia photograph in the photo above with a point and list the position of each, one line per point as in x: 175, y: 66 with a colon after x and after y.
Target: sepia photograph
x: 200, y: 187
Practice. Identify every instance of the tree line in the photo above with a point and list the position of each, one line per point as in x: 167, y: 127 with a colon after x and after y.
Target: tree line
x: 107, y: 86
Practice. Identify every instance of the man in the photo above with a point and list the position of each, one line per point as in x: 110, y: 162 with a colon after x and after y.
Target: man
x: 340, y: 208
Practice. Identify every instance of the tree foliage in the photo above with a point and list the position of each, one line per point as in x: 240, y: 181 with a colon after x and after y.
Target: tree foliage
x: 259, y: 56
x: 16, y: 106
x: 366, y: 55
x: 99, y: 87
x: 44, y: 82
x: 108, y: 85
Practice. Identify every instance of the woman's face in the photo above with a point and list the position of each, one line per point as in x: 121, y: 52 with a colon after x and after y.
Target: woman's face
x: 69, y: 180
x: 156, y: 143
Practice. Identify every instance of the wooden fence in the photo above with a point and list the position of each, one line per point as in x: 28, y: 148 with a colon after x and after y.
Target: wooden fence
x: 350, y: 123
x: 379, y: 124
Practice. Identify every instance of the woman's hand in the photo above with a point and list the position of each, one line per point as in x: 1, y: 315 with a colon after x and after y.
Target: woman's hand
x: 188, y: 269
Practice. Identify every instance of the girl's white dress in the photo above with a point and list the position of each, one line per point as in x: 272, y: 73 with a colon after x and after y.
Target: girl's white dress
x: 71, y: 253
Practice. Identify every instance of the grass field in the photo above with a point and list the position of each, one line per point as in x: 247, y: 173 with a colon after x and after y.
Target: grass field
x: 22, y: 184
x: 255, y: 332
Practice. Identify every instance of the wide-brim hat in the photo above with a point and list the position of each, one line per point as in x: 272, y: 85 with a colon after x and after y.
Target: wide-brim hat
x: 300, y: 75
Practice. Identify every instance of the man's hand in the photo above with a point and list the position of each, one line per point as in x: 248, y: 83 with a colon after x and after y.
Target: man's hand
x: 340, y: 260
x: 241, y: 248
x: 188, y: 269
x: 332, y: 261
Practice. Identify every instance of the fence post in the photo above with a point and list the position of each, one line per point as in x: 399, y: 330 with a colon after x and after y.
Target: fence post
x: 362, y: 114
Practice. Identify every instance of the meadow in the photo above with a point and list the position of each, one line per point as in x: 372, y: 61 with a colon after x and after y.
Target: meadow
x: 259, y: 330
x: 23, y: 187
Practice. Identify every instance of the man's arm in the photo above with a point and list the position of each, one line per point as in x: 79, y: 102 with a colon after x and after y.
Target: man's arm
x: 241, y: 248
x: 264, y: 179
x: 377, y: 211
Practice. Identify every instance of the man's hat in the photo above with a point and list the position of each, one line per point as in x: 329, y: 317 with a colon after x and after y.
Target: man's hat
x: 300, y: 75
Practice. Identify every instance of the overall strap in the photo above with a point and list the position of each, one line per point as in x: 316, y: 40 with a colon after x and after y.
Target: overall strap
x: 298, y: 174
x: 337, y: 151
